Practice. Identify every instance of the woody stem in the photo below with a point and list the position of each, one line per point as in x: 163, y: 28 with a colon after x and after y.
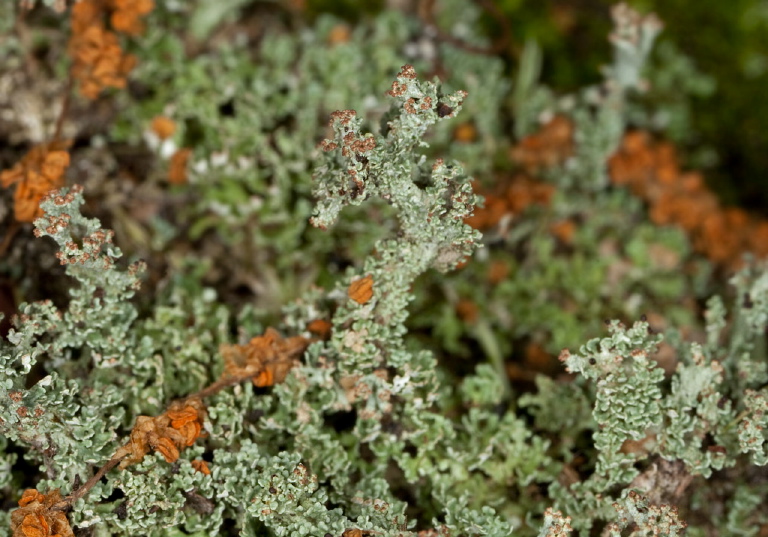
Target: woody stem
x: 218, y: 386
x: 82, y: 491
x: 12, y: 229
x: 64, y: 109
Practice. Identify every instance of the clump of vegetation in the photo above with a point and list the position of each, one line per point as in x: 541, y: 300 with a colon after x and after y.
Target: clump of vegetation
x: 271, y: 272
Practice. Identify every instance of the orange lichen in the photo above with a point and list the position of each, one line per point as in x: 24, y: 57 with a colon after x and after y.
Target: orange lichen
x: 265, y: 378
x: 320, y: 327
x: 512, y: 195
x: 465, y: 133
x: 165, y: 447
x: 340, y: 33
x: 126, y: 17
x: 564, y: 230
x: 163, y: 127
x: 524, y: 191
x: 29, y: 496
x: 536, y: 358
x: 651, y: 171
x: 497, y: 271
x: 177, y: 173
x: 178, y: 427
x: 266, y: 359
x: 35, y: 518
x: 201, y: 466
x: 37, y: 173
x: 490, y: 214
x: 361, y: 291
x: 549, y: 146
x: 85, y: 14
x: 35, y: 526
x: 98, y: 61
x: 510, y: 198
x: 187, y: 417
x: 467, y: 310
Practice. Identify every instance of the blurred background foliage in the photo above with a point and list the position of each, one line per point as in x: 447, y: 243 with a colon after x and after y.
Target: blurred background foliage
x: 726, y: 41
x: 250, y: 86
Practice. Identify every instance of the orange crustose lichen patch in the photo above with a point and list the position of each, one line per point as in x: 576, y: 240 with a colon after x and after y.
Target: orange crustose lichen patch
x: 99, y: 62
x: 35, y: 518
x: 85, y: 14
x: 266, y: 377
x: 361, y: 291
x: 490, y: 214
x: 266, y: 359
x: 38, y: 172
x: 178, y: 427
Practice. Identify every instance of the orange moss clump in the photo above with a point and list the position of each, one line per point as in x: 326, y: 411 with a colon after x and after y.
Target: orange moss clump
x: 651, y: 171
x: 524, y: 192
x: 98, y: 61
x: 266, y: 359
x: 34, y: 517
x: 37, y: 173
x: 178, y: 427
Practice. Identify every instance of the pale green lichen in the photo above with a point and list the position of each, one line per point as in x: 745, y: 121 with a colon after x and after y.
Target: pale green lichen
x: 369, y: 429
